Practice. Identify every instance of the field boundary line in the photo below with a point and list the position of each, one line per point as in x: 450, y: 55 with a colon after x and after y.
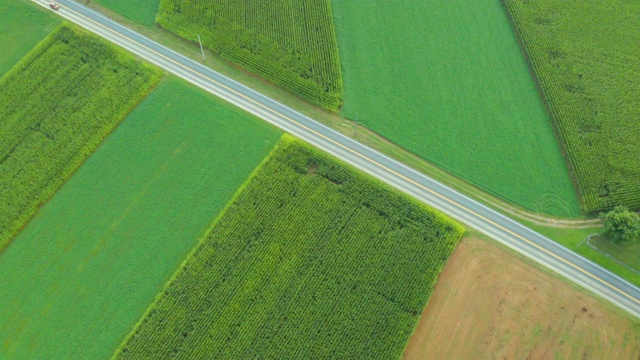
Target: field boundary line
x: 400, y: 176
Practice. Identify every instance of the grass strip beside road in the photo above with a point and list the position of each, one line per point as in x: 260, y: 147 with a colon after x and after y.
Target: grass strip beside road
x: 573, y: 239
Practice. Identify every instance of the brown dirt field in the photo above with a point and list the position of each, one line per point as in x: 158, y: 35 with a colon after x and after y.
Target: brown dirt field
x: 490, y: 304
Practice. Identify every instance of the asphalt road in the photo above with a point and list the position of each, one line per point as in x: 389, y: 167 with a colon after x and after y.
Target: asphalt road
x: 470, y: 212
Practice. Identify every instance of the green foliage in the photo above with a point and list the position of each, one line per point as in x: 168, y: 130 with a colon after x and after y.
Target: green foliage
x: 290, y: 43
x: 447, y: 81
x: 83, y: 271
x: 58, y: 104
x: 585, y: 57
x: 22, y: 25
x: 620, y: 224
x: 310, y: 260
x: 140, y: 11
x: 574, y: 239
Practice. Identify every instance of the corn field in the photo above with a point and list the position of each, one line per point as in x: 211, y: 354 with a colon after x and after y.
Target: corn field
x: 57, y: 105
x: 290, y: 43
x: 586, y: 59
x: 311, y: 259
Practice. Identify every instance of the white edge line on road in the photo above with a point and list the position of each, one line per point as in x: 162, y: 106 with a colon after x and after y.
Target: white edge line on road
x: 236, y: 101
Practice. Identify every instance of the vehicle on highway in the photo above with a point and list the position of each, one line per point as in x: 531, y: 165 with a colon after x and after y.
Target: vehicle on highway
x: 54, y: 5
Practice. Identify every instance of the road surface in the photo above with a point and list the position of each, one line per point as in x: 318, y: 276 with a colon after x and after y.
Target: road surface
x: 458, y: 206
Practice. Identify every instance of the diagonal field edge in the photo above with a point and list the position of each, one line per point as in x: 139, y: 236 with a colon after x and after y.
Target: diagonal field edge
x: 512, y: 234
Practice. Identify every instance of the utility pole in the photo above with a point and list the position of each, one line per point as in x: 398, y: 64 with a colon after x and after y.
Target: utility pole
x: 201, y: 48
x: 356, y: 132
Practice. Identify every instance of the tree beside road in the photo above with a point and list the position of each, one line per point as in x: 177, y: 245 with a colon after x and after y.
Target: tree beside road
x: 621, y: 225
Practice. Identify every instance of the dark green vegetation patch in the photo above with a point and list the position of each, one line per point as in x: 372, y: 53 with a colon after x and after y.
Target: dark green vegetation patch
x: 311, y: 260
x: 290, y: 43
x: 57, y: 105
x: 587, y: 59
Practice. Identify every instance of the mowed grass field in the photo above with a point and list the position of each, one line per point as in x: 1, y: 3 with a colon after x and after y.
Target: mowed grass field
x: 311, y: 260
x: 489, y: 304
x: 22, y: 25
x: 79, y: 276
x: 447, y: 81
x: 587, y: 60
x: 57, y: 105
x: 289, y: 43
x: 141, y: 11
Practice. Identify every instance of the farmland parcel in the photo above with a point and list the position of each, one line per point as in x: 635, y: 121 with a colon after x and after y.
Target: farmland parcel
x: 58, y: 104
x: 587, y: 60
x: 22, y: 26
x: 79, y: 276
x: 140, y: 11
x: 447, y: 81
x: 311, y: 260
x: 290, y: 43
x: 501, y: 307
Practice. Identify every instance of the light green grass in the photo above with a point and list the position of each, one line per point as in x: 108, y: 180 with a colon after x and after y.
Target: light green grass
x: 57, y: 105
x: 22, y: 25
x: 84, y: 270
x: 345, y: 126
x: 311, y: 260
x: 141, y: 11
x: 587, y: 59
x: 447, y: 81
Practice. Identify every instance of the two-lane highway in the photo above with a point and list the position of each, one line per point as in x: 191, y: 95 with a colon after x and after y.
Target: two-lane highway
x: 398, y: 175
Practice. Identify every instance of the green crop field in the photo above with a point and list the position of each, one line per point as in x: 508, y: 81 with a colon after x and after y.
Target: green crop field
x: 289, y: 43
x: 311, y: 260
x: 79, y: 276
x: 57, y: 105
x: 22, y: 25
x: 141, y: 11
x: 447, y: 81
x: 587, y: 59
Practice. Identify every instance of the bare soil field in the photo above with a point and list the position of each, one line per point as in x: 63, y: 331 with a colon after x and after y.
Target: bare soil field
x: 490, y: 304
